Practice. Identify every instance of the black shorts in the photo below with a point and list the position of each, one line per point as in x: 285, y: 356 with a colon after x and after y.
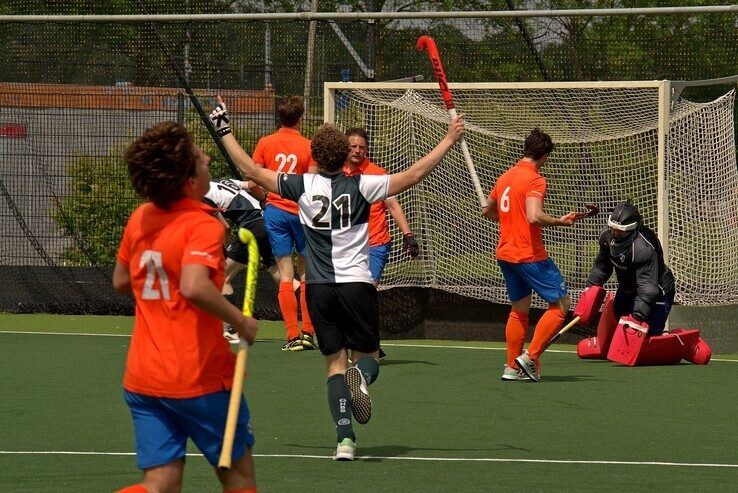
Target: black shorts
x: 344, y: 315
x: 240, y: 253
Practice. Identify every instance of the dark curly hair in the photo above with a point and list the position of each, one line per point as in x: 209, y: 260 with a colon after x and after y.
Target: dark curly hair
x: 537, y: 144
x: 290, y: 110
x: 160, y: 161
x: 359, y: 132
x: 330, y: 148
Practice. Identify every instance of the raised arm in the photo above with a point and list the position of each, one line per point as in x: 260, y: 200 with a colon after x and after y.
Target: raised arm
x: 263, y: 177
x: 399, y: 182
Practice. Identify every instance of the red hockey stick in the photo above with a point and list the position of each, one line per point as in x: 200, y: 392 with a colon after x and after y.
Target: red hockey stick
x: 427, y: 43
x: 592, y: 210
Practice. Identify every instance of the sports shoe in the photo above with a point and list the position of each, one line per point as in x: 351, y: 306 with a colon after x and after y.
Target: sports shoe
x: 230, y: 334
x: 361, y: 403
x: 308, y: 341
x: 345, y: 450
x: 382, y: 354
x: 513, y: 375
x: 293, y: 345
x: 528, y: 366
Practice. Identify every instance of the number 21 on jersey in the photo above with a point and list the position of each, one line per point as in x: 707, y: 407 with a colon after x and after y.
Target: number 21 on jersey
x: 151, y: 259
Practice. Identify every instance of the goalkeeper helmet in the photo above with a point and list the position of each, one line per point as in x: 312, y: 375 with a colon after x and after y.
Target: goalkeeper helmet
x: 624, y: 223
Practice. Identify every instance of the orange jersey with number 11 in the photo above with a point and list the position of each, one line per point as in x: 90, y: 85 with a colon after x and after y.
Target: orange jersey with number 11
x: 284, y: 151
x: 520, y: 241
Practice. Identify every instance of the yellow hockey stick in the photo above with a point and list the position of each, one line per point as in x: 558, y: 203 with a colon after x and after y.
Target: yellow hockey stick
x: 252, y: 273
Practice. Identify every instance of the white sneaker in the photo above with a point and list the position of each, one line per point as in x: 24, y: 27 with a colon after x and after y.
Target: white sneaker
x: 528, y: 366
x: 345, y: 450
x: 230, y: 334
x: 361, y: 403
x: 512, y: 375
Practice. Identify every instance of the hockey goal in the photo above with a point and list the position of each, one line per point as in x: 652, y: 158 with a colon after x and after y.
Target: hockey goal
x: 675, y: 159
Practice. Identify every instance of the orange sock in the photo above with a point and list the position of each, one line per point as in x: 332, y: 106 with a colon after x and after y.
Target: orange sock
x: 307, y: 325
x: 242, y: 490
x: 546, y: 328
x: 134, y: 488
x: 288, y: 306
x: 515, y: 331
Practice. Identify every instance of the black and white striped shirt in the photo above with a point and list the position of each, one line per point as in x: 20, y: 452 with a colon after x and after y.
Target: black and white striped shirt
x: 238, y: 206
x: 334, y: 212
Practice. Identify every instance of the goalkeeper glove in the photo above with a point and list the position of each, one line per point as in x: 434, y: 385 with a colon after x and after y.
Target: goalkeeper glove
x: 410, y: 245
x: 221, y: 122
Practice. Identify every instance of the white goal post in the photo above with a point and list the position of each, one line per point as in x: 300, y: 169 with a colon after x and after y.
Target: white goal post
x: 675, y: 159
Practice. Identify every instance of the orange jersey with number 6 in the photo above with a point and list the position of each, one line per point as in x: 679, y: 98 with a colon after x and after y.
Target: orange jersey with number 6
x: 520, y: 241
x: 176, y: 350
x: 284, y: 151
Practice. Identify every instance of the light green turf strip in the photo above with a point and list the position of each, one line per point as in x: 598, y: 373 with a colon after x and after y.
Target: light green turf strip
x: 269, y: 330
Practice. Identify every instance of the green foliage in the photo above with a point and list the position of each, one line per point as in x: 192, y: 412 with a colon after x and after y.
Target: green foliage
x: 95, y: 210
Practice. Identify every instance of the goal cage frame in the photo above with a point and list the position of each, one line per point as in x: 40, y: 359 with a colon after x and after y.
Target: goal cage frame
x: 671, y: 115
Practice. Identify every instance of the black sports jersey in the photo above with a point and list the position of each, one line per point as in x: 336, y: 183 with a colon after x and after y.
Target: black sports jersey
x: 640, y: 270
x: 238, y: 206
x: 334, y: 213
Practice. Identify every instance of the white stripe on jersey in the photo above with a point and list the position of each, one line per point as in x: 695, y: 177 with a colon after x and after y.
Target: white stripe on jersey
x: 222, y: 193
x: 351, y: 254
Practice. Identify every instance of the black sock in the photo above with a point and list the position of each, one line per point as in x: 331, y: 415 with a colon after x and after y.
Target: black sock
x: 369, y: 367
x: 339, y: 402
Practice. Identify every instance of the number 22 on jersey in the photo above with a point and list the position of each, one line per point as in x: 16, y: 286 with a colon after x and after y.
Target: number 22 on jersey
x: 288, y: 161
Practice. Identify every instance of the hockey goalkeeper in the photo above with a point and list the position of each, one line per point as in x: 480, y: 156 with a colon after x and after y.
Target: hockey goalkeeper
x: 643, y: 299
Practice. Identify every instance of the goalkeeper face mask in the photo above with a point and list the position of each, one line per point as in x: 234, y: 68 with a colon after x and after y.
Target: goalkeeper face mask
x: 624, y: 223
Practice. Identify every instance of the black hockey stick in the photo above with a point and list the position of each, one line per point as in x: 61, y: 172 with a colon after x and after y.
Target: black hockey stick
x: 195, y: 102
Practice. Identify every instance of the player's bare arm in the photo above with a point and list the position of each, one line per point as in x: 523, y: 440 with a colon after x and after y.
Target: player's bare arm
x: 265, y: 178
x: 121, y: 279
x: 196, y: 286
x: 537, y: 217
x: 395, y: 209
x: 490, y: 210
x: 399, y: 182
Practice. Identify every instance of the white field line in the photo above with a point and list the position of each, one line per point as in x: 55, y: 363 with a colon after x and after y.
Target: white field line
x: 403, y: 458
x: 388, y: 344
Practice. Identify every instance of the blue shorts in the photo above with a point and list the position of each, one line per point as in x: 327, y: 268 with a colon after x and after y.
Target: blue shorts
x: 543, y: 277
x: 285, y: 231
x: 378, y: 256
x: 162, y: 426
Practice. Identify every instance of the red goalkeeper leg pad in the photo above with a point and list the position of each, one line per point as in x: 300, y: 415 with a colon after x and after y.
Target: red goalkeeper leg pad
x: 699, y: 353
x: 605, y: 330
x: 667, y: 349
x: 590, y: 348
x: 626, y: 345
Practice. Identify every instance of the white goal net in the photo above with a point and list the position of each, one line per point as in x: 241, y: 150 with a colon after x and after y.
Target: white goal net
x: 614, y: 141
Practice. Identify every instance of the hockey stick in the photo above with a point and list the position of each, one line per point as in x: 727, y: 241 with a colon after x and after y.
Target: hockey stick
x: 427, y: 43
x: 252, y: 272
x: 562, y: 331
x: 181, y: 77
x: 592, y: 210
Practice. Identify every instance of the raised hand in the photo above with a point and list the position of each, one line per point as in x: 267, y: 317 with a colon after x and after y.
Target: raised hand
x: 456, y: 129
x: 219, y: 117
